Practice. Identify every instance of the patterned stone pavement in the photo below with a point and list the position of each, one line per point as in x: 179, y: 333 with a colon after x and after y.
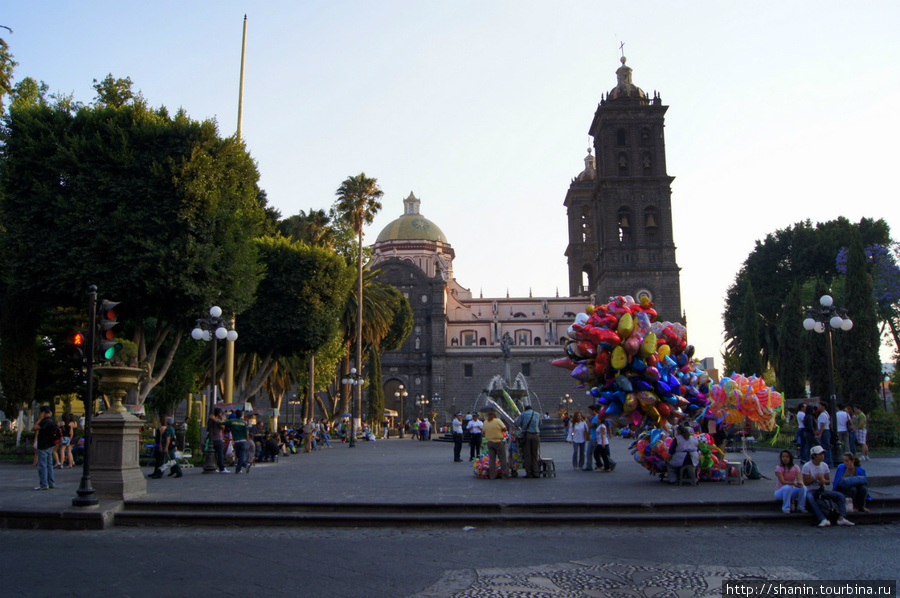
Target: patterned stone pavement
x: 599, y: 578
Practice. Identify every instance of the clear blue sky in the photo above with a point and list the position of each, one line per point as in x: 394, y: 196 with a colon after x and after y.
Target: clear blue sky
x: 778, y: 111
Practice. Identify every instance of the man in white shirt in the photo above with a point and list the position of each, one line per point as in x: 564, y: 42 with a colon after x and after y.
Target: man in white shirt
x: 823, y: 431
x: 816, y: 476
x: 474, y: 427
x: 842, y: 423
x: 456, y: 429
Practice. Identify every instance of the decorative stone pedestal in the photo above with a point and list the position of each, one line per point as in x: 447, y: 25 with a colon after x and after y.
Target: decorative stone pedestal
x: 115, y: 450
x: 116, y: 439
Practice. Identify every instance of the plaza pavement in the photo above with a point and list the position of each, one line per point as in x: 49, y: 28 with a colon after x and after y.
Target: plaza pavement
x: 404, y: 481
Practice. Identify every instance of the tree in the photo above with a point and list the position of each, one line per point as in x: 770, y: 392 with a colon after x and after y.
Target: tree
x: 857, y: 357
x: 357, y: 206
x: 7, y: 65
x: 787, y: 257
x: 313, y: 228
x: 750, y: 358
x: 791, y: 366
x: 159, y: 212
x: 114, y: 93
x: 297, y: 308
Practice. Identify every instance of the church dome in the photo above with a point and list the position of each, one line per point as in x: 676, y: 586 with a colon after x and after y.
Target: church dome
x: 411, y: 225
x: 625, y: 88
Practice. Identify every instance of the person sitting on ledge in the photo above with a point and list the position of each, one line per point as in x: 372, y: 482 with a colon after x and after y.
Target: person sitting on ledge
x: 850, y: 480
x: 684, y: 447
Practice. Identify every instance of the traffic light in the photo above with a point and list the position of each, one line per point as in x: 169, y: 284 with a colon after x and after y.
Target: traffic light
x: 75, y: 349
x: 108, y: 330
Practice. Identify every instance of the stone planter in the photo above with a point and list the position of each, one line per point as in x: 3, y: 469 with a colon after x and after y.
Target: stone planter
x: 116, y: 380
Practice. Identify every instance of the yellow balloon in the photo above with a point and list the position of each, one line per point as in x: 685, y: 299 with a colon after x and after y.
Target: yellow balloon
x: 648, y: 347
x: 663, y: 352
x: 619, y: 358
x: 626, y: 326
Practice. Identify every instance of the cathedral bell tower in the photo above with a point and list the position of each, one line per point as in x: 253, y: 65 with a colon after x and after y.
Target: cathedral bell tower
x: 631, y: 207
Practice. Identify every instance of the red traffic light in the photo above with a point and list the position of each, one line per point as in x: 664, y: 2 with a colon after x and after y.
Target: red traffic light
x: 77, y: 339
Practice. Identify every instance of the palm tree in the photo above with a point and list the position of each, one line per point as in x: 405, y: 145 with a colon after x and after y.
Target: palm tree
x: 313, y: 228
x: 357, y: 205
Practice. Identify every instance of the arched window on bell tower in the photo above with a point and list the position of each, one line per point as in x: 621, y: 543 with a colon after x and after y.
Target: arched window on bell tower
x: 651, y: 224
x: 621, y: 138
x: 624, y: 223
x: 587, y: 275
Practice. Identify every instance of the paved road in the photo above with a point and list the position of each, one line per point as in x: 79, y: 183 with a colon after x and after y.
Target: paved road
x: 548, y: 562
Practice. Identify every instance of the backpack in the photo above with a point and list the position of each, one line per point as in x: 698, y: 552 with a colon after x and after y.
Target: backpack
x: 751, y: 471
x: 56, y: 434
x: 830, y: 509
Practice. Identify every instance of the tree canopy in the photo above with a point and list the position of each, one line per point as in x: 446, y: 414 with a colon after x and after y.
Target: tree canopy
x: 159, y: 212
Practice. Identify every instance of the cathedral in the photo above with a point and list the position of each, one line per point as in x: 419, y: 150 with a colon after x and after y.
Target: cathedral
x: 620, y: 243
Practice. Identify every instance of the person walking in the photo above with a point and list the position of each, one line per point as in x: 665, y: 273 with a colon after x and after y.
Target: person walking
x: 239, y: 433
x: 843, y: 425
x: 602, y: 450
x: 214, y: 435
x: 457, y: 431
x: 494, y: 430
x: 529, y: 426
x: 166, y: 450
x: 475, y: 427
x: 592, y: 422
x: 45, y: 436
x: 800, y: 439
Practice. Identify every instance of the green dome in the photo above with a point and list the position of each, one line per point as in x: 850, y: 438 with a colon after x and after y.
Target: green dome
x: 411, y: 226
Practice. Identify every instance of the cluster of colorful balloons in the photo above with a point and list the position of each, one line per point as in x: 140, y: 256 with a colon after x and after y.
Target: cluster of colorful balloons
x: 651, y: 451
x: 738, y: 397
x: 635, y: 366
x: 514, y: 459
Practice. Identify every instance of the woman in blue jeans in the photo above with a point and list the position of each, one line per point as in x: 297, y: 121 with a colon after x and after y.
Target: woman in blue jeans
x: 577, y: 436
x: 850, y: 480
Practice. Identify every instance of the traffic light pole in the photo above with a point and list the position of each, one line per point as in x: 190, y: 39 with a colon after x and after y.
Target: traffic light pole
x: 86, y: 496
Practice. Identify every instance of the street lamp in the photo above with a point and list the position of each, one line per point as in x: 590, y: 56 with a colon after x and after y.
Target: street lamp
x: 884, y: 386
x: 354, y: 379
x: 822, y: 320
x: 422, y: 400
x: 401, y: 394
x: 215, y: 328
x: 567, y: 401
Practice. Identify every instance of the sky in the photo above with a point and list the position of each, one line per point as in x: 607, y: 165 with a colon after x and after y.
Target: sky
x: 778, y: 112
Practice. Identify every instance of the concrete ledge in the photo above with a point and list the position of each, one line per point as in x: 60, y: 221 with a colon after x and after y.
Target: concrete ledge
x: 73, y: 519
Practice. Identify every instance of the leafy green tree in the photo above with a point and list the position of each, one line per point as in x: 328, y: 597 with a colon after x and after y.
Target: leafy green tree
x: 159, y: 212
x: 857, y: 353
x: 787, y: 257
x: 791, y: 364
x: 313, y: 228
x: 401, y: 323
x: 114, y: 93
x: 181, y: 379
x: 7, y: 66
x: 297, y: 308
x: 750, y: 353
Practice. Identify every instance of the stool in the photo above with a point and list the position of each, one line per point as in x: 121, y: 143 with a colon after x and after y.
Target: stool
x: 733, y: 473
x: 548, y: 468
x: 687, y: 474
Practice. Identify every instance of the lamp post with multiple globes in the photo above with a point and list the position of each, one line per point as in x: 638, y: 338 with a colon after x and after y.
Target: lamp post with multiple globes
x: 354, y: 379
x: 213, y: 328
x: 401, y: 394
x: 824, y: 319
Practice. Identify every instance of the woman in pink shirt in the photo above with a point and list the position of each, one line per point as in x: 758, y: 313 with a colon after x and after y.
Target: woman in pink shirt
x: 789, y: 485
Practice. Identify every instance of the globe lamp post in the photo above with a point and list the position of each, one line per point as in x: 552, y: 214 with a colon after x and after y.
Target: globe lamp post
x: 214, y: 328
x: 824, y: 319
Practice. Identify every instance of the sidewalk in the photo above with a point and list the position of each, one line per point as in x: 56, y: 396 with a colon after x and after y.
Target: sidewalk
x: 405, y: 472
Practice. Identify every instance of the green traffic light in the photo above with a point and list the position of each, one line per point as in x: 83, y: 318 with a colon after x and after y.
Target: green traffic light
x: 110, y: 350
